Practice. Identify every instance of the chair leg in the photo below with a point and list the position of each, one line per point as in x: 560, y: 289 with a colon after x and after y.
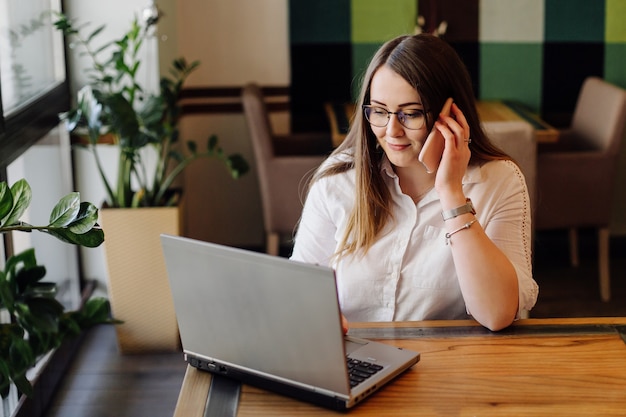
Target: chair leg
x: 603, y: 261
x: 573, y: 247
x: 273, y: 244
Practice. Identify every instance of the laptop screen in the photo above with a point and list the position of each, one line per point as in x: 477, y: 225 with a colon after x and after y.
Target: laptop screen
x: 262, y: 313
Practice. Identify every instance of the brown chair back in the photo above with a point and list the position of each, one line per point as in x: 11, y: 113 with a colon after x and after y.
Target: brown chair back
x: 600, y: 115
x: 282, y: 178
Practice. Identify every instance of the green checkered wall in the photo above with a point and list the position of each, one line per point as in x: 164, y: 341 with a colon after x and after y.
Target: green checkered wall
x: 537, y: 52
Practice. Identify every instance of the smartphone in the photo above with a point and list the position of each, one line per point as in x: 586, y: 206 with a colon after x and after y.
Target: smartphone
x: 431, y: 153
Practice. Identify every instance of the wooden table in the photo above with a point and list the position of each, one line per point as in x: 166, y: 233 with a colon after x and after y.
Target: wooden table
x: 504, y: 111
x: 339, y: 116
x: 536, y: 367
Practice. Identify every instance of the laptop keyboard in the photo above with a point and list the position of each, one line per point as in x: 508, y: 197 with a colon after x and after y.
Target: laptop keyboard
x: 360, y: 370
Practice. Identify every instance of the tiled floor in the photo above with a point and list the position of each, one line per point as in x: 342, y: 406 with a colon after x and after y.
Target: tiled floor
x: 103, y: 383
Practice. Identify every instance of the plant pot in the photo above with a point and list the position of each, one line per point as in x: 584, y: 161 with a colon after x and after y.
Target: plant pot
x: 138, y: 286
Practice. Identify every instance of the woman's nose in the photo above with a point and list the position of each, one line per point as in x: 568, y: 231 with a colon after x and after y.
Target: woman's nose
x: 394, y: 127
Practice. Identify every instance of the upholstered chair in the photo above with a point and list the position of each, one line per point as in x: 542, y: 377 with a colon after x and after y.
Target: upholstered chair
x: 576, y: 175
x: 283, y: 164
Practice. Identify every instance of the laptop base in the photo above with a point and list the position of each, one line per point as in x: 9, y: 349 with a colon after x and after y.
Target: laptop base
x: 323, y: 400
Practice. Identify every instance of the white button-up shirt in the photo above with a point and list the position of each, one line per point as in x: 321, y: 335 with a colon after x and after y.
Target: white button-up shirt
x: 409, y: 273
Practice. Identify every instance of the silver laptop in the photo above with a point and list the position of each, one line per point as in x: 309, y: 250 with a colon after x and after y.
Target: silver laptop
x: 273, y: 323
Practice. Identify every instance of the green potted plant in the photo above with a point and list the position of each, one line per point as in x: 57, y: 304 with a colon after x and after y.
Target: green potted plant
x: 38, y: 322
x: 115, y: 103
x: 141, y: 202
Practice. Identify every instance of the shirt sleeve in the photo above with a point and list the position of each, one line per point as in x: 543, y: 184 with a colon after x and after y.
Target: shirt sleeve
x: 315, y: 240
x: 509, y: 227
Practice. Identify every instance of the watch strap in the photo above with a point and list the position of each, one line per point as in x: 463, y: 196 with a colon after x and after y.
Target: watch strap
x: 468, y: 207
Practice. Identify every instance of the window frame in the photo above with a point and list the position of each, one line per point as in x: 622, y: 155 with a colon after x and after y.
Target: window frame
x: 29, y: 122
x: 24, y: 127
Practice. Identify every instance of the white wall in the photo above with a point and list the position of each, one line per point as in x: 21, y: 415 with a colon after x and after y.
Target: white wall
x: 236, y: 42
x: 117, y: 16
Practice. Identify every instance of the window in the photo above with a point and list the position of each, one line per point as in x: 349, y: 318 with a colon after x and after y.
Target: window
x: 33, y: 91
x: 33, y: 86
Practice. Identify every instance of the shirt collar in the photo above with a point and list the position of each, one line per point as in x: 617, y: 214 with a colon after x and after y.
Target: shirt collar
x: 474, y: 173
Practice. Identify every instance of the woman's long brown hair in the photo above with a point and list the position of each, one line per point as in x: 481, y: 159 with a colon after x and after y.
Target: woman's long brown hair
x: 435, y: 70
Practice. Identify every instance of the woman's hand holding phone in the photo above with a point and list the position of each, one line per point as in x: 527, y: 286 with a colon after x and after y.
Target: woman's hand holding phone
x: 456, y: 155
x: 432, y: 151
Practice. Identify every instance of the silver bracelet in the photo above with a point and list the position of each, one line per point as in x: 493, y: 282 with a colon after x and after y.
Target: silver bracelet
x: 465, y: 226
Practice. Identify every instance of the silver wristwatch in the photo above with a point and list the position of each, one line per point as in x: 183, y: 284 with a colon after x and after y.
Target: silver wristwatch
x: 468, y: 207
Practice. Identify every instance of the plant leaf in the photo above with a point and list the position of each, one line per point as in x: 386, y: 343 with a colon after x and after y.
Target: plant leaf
x: 122, y: 115
x: 95, y: 33
x: 212, y: 143
x: 86, y: 219
x: 6, y: 295
x: 65, y: 210
x: 237, y: 165
x: 26, y: 259
x: 152, y: 112
x: 179, y: 157
x: 41, y: 289
x: 22, y: 196
x: 6, y: 201
x: 28, y: 276
x: 39, y: 315
x: 23, y: 385
x: 90, y: 239
x: 4, y: 366
x: 95, y: 311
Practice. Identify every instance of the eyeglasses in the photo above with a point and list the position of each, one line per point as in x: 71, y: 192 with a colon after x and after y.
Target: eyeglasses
x: 379, y: 117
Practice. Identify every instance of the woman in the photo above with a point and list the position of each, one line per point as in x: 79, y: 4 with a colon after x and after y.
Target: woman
x: 408, y: 244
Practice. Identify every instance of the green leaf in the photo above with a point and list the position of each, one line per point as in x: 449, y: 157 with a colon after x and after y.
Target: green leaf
x: 45, y: 307
x: 86, y: 219
x: 95, y: 33
x: 90, y: 239
x: 41, y: 289
x: 72, y: 119
x: 152, y: 112
x: 6, y: 295
x: 122, y: 115
x: 177, y: 156
x: 22, y: 196
x: 95, y: 311
x: 65, y: 210
x: 137, y: 141
x: 26, y: 277
x: 40, y: 341
x: 26, y: 259
x: 212, y: 142
x: 6, y: 201
x: 237, y: 165
x: 39, y: 315
x: 4, y: 366
x: 22, y: 384
x: 5, y: 388
x: 69, y: 325
x: 64, y: 25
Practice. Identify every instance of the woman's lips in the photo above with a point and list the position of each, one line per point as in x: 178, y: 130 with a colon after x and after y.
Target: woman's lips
x: 395, y: 147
